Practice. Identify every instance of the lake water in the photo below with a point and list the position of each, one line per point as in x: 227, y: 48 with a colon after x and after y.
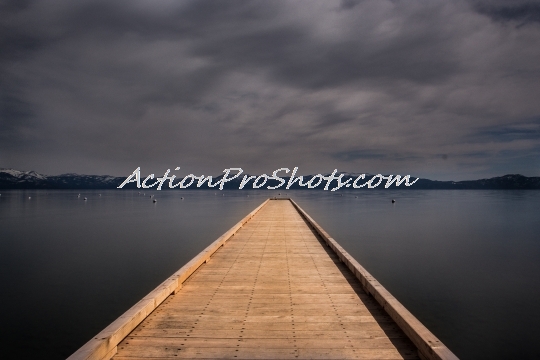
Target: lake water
x: 466, y: 263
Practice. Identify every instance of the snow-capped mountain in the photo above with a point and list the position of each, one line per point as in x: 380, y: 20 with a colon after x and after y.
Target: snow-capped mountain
x: 16, y: 179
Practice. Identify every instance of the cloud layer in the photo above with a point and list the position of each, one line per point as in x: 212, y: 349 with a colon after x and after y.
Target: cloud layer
x: 447, y: 90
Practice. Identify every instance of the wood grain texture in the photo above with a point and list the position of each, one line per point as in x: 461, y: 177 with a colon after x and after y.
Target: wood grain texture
x: 273, y: 291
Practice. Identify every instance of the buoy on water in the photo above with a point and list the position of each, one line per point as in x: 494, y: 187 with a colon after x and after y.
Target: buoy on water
x: 85, y: 199
x: 155, y: 200
x: 182, y: 198
x: 393, y: 201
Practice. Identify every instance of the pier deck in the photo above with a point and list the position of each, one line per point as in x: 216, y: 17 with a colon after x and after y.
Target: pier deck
x: 274, y: 290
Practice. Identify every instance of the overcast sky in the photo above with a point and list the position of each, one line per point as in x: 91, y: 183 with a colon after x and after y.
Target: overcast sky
x: 438, y: 89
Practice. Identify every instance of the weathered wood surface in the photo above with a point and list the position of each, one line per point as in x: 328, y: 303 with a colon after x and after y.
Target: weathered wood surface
x: 273, y: 291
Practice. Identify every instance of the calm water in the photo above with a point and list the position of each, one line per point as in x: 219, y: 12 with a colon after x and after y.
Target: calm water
x: 466, y: 263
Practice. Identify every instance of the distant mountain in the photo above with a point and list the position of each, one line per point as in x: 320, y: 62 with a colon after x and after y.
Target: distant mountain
x: 506, y: 182
x: 15, y: 179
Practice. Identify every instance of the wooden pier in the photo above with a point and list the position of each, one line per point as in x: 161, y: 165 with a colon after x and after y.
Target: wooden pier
x: 275, y: 286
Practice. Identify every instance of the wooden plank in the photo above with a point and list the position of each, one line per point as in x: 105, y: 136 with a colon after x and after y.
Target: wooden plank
x: 267, y: 326
x: 263, y: 342
x: 255, y: 353
x: 326, y: 333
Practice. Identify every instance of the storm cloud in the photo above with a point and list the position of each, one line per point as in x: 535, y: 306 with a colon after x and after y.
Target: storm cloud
x: 440, y: 89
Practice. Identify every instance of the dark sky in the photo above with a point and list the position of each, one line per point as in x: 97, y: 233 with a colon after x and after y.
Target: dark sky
x: 439, y: 89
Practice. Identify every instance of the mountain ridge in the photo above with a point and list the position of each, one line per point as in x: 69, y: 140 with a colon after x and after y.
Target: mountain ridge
x: 17, y: 179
